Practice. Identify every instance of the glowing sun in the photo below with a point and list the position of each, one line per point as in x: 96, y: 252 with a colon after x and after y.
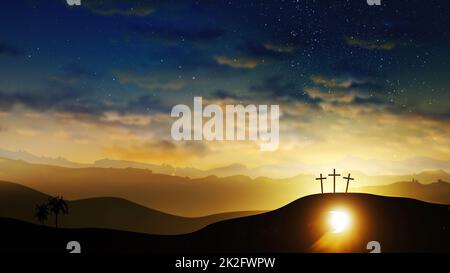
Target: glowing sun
x: 339, y: 221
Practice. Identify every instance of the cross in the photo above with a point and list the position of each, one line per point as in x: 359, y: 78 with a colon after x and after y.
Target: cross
x: 334, y: 179
x: 348, y: 180
x: 321, y: 178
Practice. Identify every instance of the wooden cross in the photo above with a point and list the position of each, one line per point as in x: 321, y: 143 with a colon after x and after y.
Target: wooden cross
x: 321, y: 178
x: 348, y: 180
x: 334, y: 179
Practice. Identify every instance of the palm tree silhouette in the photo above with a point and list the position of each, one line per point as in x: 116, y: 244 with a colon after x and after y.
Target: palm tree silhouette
x: 42, y: 213
x: 57, y: 205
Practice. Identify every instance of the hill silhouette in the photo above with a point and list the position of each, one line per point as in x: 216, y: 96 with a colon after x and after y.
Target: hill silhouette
x: 195, y: 197
x: 438, y: 192
x: 398, y: 224
x: 18, y: 202
x: 171, y: 194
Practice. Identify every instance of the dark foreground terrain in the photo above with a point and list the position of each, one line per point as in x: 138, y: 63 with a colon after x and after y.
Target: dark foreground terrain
x: 18, y: 202
x: 398, y: 224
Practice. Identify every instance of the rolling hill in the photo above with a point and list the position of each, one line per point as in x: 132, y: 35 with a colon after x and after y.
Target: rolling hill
x: 196, y: 197
x: 18, y: 202
x: 171, y: 194
x: 398, y: 224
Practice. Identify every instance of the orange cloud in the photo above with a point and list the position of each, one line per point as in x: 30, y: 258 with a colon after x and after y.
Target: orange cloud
x: 242, y: 62
x: 127, y: 119
x: 320, y: 80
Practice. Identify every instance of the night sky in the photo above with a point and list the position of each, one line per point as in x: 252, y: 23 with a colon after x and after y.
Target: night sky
x: 99, y: 80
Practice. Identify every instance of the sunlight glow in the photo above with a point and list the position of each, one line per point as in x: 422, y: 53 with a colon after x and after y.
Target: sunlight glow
x: 339, y: 221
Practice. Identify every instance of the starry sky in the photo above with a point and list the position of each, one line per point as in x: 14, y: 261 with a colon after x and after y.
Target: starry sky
x: 99, y: 80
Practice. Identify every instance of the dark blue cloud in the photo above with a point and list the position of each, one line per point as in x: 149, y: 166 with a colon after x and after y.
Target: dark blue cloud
x: 347, y: 68
x: 177, y: 34
x: 66, y: 98
x: 223, y: 94
x: 146, y: 104
x: 9, y: 50
x: 80, y: 71
x: 277, y: 88
x: 52, y: 95
x: 34, y: 100
x: 263, y: 51
x: 123, y: 7
x: 368, y: 101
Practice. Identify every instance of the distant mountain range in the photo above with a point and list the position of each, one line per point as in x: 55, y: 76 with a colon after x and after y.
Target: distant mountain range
x: 233, y: 169
x: 368, y: 167
x: 208, y: 195
x: 18, y: 202
x: 30, y: 158
x: 438, y: 192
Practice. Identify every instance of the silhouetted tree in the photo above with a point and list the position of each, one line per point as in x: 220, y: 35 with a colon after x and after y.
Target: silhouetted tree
x: 57, y: 205
x: 42, y: 212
